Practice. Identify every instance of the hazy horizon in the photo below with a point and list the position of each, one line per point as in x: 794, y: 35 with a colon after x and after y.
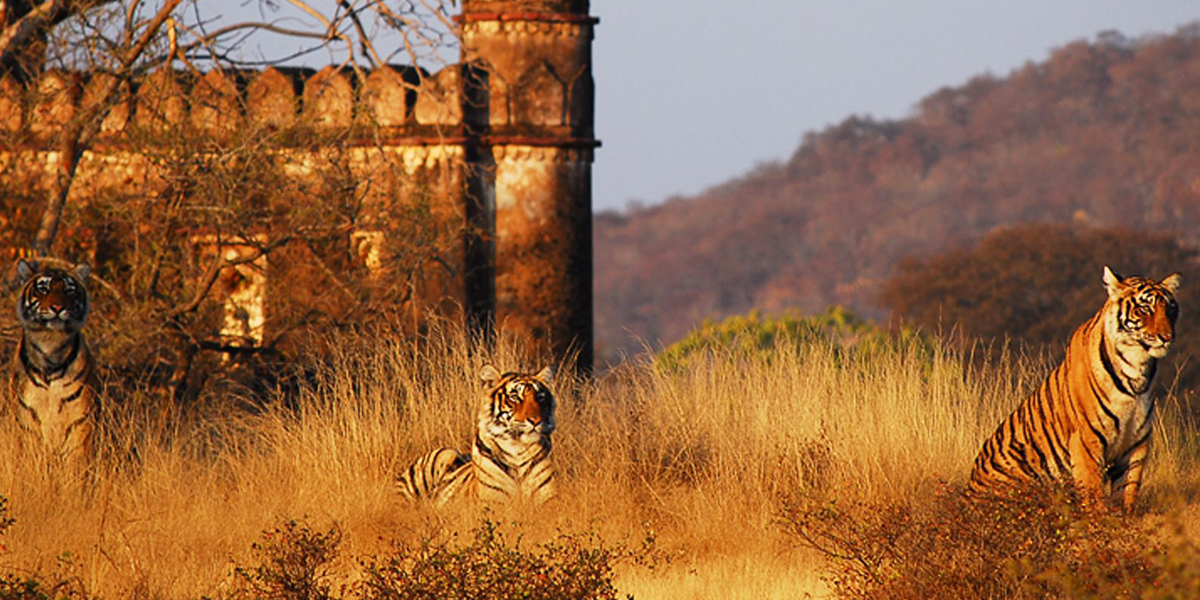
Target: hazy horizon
x: 687, y: 99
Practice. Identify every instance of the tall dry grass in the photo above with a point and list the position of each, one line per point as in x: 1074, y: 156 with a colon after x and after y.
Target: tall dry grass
x: 695, y: 459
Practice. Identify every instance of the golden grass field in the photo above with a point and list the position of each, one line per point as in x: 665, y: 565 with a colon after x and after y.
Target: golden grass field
x: 697, y: 458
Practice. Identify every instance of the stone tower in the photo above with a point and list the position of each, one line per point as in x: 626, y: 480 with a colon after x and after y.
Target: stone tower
x: 528, y: 110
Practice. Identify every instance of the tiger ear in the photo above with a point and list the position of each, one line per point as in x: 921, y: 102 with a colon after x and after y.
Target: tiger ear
x: 1172, y: 281
x: 25, y: 270
x: 489, y: 374
x: 546, y: 374
x: 81, y: 271
x: 1112, y: 281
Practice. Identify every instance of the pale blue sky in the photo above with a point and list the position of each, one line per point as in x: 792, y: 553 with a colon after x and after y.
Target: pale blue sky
x: 692, y: 93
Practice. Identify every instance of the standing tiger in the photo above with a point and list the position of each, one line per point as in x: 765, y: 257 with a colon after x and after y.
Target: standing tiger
x: 510, y: 458
x: 1091, y: 419
x: 52, y: 385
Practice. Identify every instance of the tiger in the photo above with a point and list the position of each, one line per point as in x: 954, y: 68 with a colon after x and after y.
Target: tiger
x: 52, y: 384
x: 510, y: 457
x: 1090, y: 421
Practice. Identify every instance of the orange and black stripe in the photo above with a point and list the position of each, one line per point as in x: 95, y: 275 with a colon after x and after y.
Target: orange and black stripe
x: 510, y: 456
x: 1090, y: 421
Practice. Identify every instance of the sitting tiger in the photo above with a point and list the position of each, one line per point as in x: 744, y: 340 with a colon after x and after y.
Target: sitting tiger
x: 510, y: 458
x: 52, y: 387
x: 1091, y: 419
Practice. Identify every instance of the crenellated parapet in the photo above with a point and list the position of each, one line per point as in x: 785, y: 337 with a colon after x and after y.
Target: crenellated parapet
x: 406, y: 104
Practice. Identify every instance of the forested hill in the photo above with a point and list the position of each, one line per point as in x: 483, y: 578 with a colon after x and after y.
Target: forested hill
x: 1104, y: 133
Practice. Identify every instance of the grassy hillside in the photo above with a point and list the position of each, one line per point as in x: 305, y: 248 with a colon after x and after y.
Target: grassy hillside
x: 1104, y: 133
x: 698, y: 459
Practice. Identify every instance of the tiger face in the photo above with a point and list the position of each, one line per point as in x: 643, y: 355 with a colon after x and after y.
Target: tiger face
x: 518, y: 406
x: 52, y: 299
x: 1144, y: 312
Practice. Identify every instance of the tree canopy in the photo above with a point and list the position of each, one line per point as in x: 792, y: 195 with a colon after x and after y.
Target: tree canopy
x: 1035, y: 284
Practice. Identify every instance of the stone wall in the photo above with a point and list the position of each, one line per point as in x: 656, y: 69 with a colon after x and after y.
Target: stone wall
x: 503, y: 141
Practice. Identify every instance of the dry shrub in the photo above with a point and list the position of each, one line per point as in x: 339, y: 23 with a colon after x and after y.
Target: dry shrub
x: 569, y: 567
x: 1036, y: 544
x: 295, y: 563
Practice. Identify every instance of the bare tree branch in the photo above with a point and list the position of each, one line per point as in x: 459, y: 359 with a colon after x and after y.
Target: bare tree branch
x: 364, y: 40
x: 38, y: 19
x: 221, y: 262
x: 200, y: 179
x: 80, y: 132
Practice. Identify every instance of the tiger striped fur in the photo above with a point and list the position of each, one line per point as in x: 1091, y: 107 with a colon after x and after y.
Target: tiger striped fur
x: 510, y: 457
x: 52, y: 387
x: 1091, y: 419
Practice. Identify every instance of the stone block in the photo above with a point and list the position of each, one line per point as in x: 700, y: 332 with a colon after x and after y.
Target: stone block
x: 328, y: 99
x: 271, y: 100
x: 438, y: 98
x: 160, y: 101
x: 216, y: 110
x: 54, y: 102
x: 119, y: 108
x: 384, y: 100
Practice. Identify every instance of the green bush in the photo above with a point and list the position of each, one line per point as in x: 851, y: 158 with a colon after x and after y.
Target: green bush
x: 17, y: 587
x: 757, y: 338
x: 1035, y: 545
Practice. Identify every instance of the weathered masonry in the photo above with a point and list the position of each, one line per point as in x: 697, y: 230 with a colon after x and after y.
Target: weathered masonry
x: 503, y: 140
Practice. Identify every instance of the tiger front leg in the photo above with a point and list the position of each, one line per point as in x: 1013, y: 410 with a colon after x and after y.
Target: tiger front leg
x: 1126, y: 475
x: 1086, y: 470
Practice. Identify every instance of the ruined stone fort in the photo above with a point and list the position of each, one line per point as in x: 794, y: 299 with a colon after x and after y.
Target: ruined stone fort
x: 504, y: 138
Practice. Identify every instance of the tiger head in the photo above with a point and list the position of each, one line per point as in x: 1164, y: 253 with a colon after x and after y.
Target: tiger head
x: 52, y: 299
x: 518, y: 406
x: 1144, y: 311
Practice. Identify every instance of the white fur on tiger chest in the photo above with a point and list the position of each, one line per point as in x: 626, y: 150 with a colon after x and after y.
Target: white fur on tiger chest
x: 1134, y: 366
x: 516, y: 466
x: 46, y: 411
x: 530, y: 473
x: 1132, y: 412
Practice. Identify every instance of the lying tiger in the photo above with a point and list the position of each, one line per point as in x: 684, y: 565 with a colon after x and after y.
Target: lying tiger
x: 510, y: 458
x: 52, y: 386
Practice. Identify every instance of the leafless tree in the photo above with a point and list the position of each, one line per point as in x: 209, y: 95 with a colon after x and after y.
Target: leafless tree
x: 95, y: 35
x: 236, y: 191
